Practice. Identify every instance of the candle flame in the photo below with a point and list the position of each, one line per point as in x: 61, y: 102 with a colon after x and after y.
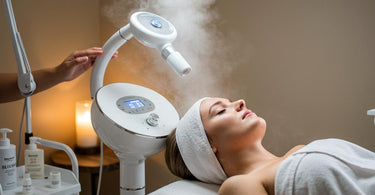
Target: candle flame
x: 84, y: 117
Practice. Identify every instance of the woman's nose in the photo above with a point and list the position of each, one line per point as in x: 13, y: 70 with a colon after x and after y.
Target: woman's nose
x: 239, y: 105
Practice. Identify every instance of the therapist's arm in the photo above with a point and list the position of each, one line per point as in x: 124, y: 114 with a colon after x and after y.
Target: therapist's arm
x: 73, y: 66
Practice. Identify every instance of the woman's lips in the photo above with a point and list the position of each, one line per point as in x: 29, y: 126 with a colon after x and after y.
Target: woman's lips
x: 247, y: 113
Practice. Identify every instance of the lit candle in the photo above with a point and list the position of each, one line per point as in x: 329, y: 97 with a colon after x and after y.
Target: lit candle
x: 85, y: 134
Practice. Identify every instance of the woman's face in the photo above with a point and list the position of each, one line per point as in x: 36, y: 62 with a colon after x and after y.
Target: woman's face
x: 231, y: 122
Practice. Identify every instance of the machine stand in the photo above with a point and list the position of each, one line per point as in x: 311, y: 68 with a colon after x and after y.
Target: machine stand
x: 132, y: 174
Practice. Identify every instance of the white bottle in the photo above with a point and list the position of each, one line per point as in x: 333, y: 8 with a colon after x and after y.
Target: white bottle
x: 55, y: 179
x: 26, y: 184
x: 8, y: 177
x: 34, y: 160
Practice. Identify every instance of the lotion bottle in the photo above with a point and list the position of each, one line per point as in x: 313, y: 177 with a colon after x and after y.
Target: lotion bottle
x: 34, y: 160
x: 8, y: 177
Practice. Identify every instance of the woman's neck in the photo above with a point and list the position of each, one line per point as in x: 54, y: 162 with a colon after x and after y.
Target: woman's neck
x: 246, y: 160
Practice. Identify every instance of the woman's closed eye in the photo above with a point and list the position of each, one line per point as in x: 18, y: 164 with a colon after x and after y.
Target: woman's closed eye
x: 220, y: 112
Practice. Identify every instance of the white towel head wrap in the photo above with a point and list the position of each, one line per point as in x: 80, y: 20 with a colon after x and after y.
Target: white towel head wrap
x: 195, y: 149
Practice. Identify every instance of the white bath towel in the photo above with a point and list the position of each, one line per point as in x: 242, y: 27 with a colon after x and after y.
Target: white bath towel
x: 329, y: 166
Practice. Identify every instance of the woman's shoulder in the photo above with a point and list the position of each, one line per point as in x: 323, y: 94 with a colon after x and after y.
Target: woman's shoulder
x: 242, y: 184
x: 294, y: 149
x: 254, y: 182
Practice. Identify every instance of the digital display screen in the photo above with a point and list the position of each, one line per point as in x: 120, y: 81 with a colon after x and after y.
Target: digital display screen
x: 136, y: 103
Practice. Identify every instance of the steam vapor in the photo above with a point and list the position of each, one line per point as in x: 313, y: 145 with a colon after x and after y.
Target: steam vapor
x: 198, y: 40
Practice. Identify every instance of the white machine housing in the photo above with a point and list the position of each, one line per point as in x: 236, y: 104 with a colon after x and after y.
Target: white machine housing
x: 132, y: 120
x: 155, y: 38
x: 131, y: 132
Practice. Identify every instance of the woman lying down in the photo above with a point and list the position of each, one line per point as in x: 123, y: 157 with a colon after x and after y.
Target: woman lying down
x: 220, y: 142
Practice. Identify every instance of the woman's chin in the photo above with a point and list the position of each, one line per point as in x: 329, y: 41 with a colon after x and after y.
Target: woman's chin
x: 257, y: 124
x: 262, y: 122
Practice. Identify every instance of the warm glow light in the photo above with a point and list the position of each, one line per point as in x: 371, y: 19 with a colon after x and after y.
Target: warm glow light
x: 85, y: 134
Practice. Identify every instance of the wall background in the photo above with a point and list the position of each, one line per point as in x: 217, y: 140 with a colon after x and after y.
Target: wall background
x: 305, y: 66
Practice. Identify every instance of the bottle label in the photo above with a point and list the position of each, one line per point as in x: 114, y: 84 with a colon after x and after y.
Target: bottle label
x: 34, y: 164
x: 8, y: 178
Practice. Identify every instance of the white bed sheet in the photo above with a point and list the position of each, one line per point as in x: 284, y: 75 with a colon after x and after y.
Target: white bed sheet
x: 187, y: 187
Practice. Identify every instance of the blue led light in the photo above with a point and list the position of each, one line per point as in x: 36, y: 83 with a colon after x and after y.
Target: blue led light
x: 156, y: 23
x: 135, y: 103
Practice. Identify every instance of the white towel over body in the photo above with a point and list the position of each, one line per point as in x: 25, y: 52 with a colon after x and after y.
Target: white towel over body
x: 329, y: 166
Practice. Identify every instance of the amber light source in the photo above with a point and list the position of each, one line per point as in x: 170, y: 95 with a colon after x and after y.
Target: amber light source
x: 86, y: 138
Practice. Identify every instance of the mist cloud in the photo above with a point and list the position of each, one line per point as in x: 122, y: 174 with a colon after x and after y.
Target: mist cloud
x: 199, y: 41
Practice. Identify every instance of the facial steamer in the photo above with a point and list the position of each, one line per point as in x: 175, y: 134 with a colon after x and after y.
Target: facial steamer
x: 132, y: 120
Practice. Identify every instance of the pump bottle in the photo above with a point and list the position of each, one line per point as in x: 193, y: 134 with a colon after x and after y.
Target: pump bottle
x: 34, y: 160
x: 8, y: 179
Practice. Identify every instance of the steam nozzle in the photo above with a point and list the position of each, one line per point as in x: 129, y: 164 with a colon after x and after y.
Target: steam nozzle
x: 175, y: 60
x: 156, y: 32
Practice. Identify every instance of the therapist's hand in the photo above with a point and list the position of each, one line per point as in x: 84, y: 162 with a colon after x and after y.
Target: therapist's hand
x: 74, y: 65
x: 78, y: 62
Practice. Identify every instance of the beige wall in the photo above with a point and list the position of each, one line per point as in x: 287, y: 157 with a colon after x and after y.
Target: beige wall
x: 310, y: 74
x: 308, y: 68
